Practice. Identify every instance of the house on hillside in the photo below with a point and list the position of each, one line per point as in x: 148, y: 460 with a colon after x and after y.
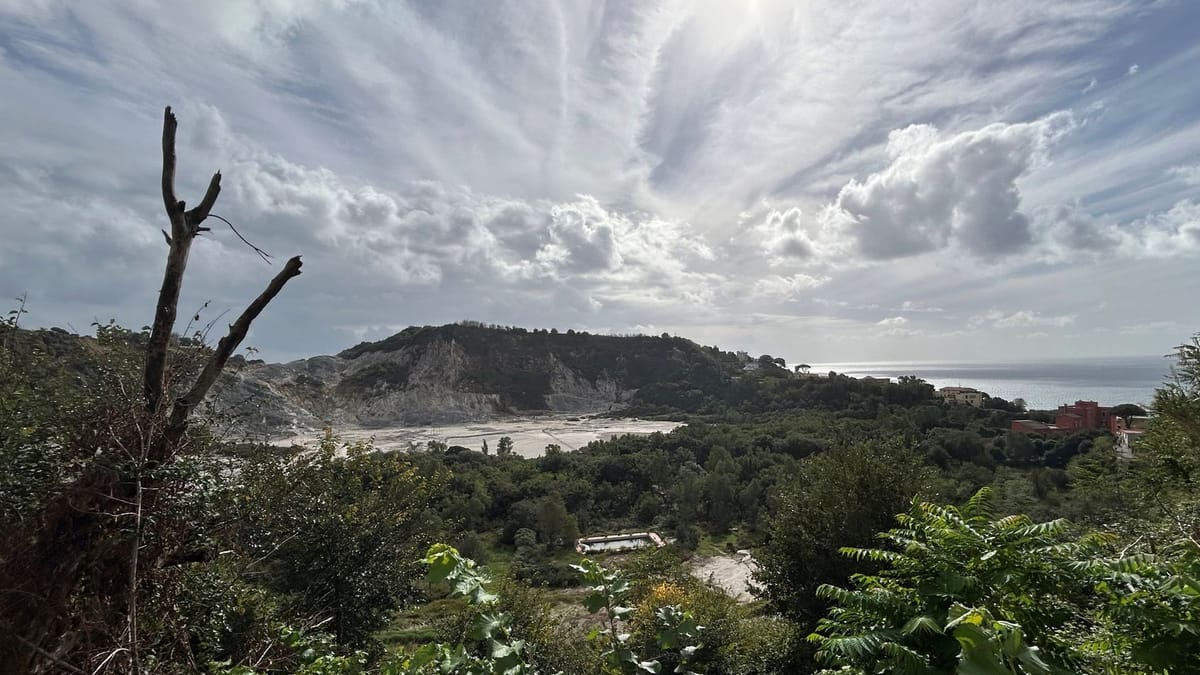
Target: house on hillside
x: 961, y: 396
x: 1083, y: 415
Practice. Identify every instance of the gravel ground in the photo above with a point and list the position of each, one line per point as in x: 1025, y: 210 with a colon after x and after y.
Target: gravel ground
x: 530, y: 435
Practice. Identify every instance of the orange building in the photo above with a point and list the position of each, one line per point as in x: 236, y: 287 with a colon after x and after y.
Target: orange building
x: 1083, y: 415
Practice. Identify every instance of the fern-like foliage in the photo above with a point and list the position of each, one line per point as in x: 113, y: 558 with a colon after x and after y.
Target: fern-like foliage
x: 962, y: 592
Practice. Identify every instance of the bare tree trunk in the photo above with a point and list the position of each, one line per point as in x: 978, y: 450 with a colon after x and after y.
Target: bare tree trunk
x: 65, y: 558
x: 185, y: 225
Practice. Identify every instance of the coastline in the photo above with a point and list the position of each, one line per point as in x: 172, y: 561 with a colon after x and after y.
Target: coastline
x: 1044, y: 384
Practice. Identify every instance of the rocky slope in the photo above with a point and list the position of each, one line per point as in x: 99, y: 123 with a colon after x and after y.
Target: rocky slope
x: 464, y: 372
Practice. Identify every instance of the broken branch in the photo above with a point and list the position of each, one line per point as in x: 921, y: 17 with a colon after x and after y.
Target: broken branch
x: 225, y: 348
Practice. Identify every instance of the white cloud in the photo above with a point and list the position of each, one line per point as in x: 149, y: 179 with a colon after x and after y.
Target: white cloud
x: 1173, y: 232
x: 892, y: 321
x: 783, y: 236
x: 1133, y: 70
x: 782, y: 288
x: 945, y: 190
x: 1019, y: 319
x: 1072, y: 232
x: 911, y: 306
x: 1153, y: 327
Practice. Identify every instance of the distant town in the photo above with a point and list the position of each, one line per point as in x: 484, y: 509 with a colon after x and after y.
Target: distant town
x: 1069, y: 418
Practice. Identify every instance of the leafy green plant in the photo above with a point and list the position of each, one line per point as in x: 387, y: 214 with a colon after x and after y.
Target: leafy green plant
x: 501, y: 653
x: 609, y: 591
x: 491, y: 648
x: 963, y: 592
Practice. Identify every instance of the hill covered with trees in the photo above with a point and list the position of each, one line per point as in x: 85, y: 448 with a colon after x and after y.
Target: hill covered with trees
x: 470, y: 371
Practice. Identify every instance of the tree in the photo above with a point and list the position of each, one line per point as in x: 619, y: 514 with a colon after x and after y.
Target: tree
x: 95, y: 542
x: 340, y: 534
x: 720, y: 498
x: 504, y: 447
x: 838, y: 498
x: 525, y: 538
x: 1127, y: 410
x: 556, y: 527
x: 1179, y: 400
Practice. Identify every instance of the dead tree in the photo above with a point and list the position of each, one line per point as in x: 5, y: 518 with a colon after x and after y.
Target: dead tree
x: 75, y: 545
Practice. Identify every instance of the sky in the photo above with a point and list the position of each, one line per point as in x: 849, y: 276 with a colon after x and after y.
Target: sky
x: 824, y: 181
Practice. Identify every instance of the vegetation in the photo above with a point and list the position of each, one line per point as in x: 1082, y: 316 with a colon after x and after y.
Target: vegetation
x: 136, y: 537
x: 274, y: 555
x: 132, y: 545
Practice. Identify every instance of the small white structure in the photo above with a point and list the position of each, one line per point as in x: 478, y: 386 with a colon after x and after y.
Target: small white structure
x: 613, y: 543
x: 1128, y: 431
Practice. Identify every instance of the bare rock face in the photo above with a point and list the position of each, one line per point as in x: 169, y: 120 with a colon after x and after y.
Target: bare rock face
x: 455, y: 374
x: 571, y: 393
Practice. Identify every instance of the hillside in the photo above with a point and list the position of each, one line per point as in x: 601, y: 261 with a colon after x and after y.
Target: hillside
x: 464, y: 372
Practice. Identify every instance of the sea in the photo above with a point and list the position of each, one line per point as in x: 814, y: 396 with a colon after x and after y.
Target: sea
x: 1044, y: 384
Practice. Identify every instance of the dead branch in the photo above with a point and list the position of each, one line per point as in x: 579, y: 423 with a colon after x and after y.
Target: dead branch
x: 225, y: 348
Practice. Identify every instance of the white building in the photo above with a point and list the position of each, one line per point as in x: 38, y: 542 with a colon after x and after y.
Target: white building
x: 961, y: 396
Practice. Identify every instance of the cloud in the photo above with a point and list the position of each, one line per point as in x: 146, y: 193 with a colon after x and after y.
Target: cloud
x: 1019, y: 319
x: 783, y: 237
x: 1169, y: 233
x: 910, y: 306
x: 1188, y: 173
x: 945, y: 190
x: 1071, y: 231
x: 1151, y: 327
x: 1133, y: 70
x: 577, y: 165
x: 780, y: 288
x: 895, y: 327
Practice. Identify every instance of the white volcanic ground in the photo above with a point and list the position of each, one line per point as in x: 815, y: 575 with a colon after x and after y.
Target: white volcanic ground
x: 530, y: 435
x: 733, y: 574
